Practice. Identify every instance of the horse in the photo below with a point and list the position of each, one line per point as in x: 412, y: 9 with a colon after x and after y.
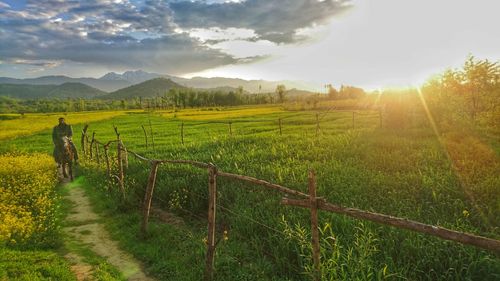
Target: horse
x: 65, y: 157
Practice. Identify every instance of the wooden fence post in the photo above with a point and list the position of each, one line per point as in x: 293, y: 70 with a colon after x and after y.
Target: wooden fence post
x: 97, y: 153
x: 279, y: 122
x: 353, y: 119
x: 212, y: 191
x: 92, y: 144
x: 119, y: 161
x: 182, y: 132
x: 125, y: 154
x: 145, y: 135
x: 120, y: 168
x: 84, y: 134
x: 314, y: 226
x: 148, y: 196
x: 87, y: 143
x: 106, y: 156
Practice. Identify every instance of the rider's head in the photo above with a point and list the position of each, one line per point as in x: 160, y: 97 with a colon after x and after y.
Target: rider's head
x: 61, y: 120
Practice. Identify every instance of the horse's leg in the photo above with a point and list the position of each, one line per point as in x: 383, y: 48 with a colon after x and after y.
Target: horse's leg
x: 63, y: 166
x: 70, y: 168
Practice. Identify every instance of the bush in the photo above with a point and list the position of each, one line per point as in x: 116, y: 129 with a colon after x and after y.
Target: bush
x: 27, y: 199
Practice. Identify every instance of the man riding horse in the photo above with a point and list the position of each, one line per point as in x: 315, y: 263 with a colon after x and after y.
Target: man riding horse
x: 58, y: 134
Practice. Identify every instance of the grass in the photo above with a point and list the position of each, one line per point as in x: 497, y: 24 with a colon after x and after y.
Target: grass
x: 220, y: 113
x: 30, y: 239
x: 16, y: 125
x: 33, y: 265
x: 411, y: 172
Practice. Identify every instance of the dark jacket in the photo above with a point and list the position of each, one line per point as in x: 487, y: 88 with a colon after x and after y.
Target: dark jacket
x: 61, y: 131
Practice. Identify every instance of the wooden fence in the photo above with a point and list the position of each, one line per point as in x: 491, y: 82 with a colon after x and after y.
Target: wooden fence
x: 309, y: 201
x: 279, y: 123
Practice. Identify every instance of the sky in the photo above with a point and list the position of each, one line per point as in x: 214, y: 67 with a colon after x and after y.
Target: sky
x: 366, y: 43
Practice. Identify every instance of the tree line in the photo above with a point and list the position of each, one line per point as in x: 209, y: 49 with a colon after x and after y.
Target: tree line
x: 173, y: 98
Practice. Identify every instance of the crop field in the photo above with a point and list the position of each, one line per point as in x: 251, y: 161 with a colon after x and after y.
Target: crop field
x: 447, y: 178
x: 29, y: 219
x: 13, y: 125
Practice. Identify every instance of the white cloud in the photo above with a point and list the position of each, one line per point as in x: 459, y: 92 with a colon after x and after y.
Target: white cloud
x: 4, y: 5
x: 220, y: 34
x: 385, y: 43
x: 246, y: 49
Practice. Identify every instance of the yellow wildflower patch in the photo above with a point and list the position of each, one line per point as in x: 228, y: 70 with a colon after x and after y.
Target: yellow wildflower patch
x: 34, y: 122
x: 221, y: 113
x: 27, y: 196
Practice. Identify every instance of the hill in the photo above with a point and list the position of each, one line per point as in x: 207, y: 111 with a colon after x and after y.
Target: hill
x: 252, y: 86
x: 150, y: 88
x: 65, y: 90
x: 299, y: 93
x: 103, y: 85
x: 113, y: 81
x: 75, y: 90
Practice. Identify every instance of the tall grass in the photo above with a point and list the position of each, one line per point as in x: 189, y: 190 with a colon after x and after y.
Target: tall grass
x: 408, y: 172
x: 29, y: 219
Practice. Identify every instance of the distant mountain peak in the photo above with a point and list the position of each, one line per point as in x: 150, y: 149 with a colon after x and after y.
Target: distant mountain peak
x: 132, y: 76
x: 112, y: 76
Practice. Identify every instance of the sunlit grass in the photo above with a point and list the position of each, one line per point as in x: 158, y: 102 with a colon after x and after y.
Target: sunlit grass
x: 403, y: 172
x: 19, y: 125
x: 217, y: 113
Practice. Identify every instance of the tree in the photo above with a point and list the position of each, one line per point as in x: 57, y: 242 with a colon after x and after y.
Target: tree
x: 472, y: 92
x: 332, y: 92
x: 280, y: 91
x: 350, y: 92
x: 480, y: 80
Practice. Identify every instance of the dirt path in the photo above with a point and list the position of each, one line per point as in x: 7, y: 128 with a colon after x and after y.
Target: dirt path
x: 85, y: 229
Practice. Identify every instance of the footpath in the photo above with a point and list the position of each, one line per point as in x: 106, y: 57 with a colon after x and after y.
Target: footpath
x: 84, y: 230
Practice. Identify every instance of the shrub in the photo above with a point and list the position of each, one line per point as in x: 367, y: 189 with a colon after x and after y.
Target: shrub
x: 27, y: 198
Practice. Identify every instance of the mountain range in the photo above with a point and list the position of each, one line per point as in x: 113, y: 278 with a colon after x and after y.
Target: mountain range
x: 114, y: 81
x: 149, y: 88
x: 65, y: 90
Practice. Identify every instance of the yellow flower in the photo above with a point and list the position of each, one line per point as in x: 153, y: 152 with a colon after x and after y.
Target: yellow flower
x: 27, y: 196
x: 466, y: 213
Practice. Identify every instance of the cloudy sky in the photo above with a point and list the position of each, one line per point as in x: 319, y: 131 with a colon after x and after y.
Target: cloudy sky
x: 369, y: 43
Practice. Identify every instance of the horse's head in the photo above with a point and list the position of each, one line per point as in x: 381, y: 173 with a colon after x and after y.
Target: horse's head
x: 65, y: 142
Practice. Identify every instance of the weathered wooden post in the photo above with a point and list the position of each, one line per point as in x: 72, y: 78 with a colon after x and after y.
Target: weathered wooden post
x: 314, y: 225
x: 97, y: 153
x: 125, y: 154
x: 84, y: 134
x: 145, y: 135
x: 87, y: 142
x: 92, y: 144
x: 119, y: 161
x: 106, y: 156
x: 148, y: 196
x: 212, y: 197
x: 182, y: 132
x: 279, y: 122
x: 120, y: 169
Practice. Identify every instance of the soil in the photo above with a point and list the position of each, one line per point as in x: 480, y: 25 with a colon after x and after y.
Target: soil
x: 87, y: 230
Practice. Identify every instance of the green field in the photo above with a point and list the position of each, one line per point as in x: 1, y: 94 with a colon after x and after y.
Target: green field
x: 448, y: 179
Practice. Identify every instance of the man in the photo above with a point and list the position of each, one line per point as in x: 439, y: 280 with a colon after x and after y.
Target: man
x: 60, y: 131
